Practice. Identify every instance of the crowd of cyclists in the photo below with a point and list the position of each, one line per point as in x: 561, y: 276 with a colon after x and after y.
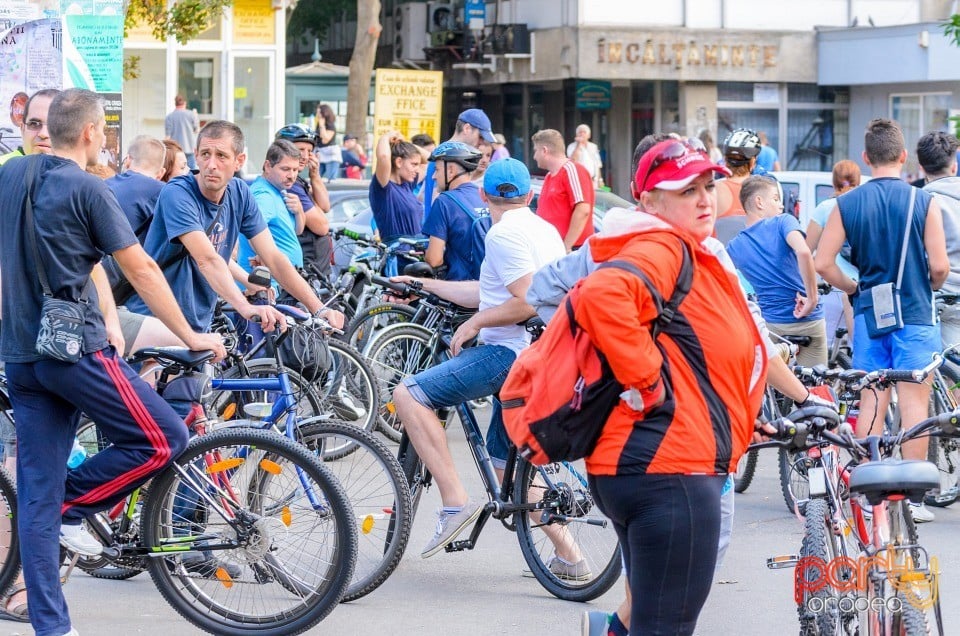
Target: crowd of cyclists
x: 183, y: 240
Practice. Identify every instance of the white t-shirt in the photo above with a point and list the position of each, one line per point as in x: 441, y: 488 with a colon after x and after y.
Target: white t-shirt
x: 519, y: 244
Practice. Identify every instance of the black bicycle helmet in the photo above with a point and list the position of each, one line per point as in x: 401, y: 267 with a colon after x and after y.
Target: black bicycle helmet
x: 740, y: 146
x: 297, y: 132
x: 459, y: 153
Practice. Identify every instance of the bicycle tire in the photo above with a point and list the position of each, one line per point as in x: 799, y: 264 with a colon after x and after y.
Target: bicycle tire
x: 378, y: 493
x: 794, y: 486
x: 401, y: 352
x: 944, y: 451
x: 911, y: 621
x: 367, y: 322
x: 566, y: 490
x: 290, y: 579
x: 818, y: 547
x: 844, y: 361
x: 9, y: 534
x: 348, y: 391
x: 308, y: 402
x: 746, y: 469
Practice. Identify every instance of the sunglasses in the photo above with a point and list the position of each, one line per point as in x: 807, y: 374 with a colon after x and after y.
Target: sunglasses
x: 678, y: 149
x: 34, y: 125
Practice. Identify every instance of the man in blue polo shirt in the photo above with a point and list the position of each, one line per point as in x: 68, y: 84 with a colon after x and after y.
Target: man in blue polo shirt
x: 138, y: 186
x: 281, y: 209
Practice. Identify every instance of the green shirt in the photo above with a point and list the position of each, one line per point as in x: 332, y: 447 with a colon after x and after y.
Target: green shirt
x: 10, y: 155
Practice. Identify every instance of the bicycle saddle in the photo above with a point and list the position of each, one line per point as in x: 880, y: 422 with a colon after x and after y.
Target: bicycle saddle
x: 173, y: 355
x: 419, y: 269
x: 894, y: 477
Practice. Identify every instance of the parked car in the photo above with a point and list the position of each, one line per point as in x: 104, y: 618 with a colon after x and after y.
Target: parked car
x: 603, y: 202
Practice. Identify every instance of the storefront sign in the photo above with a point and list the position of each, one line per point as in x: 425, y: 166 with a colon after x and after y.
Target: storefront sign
x: 686, y: 53
x: 253, y: 22
x: 476, y: 14
x: 408, y: 101
x: 593, y: 95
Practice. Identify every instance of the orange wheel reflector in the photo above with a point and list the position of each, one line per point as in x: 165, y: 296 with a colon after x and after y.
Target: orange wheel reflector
x: 271, y: 467
x: 225, y: 464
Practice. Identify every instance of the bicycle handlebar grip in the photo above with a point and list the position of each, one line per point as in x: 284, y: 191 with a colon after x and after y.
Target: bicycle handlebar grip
x: 903, y: 376
x: 401, y: 288
x: 949, y: 423
x: 829, y: 416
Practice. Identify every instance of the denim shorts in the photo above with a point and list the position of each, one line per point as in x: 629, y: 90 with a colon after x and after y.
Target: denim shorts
x: 905, y: 349
x: 477, y: 372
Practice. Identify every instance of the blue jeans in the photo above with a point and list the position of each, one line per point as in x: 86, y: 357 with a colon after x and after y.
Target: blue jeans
x: 477, y: 372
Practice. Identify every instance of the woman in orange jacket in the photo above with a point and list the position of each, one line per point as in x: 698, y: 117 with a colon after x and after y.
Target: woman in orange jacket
x: 691, y: 396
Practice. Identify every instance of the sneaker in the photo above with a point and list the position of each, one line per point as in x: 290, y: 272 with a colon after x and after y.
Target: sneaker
x: 78, y: 539
x: 206, y: 565
x: 595, y: 624
x: 449, y: 526
x: 920, y: 513
x: 578, y: 571
x: 73, y: 632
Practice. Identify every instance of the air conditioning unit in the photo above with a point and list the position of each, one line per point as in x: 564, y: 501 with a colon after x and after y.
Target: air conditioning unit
x: 410, y: 35
x: 509, y: 38
x: 441, y: 16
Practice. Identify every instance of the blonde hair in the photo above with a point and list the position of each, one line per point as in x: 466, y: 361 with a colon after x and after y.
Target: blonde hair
x: 550, y: 139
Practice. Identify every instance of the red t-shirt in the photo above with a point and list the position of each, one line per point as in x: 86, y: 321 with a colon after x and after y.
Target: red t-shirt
x: 571, y: 185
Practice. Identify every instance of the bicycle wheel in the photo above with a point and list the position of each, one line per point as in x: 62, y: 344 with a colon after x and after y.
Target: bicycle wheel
x: 369, y: 321
x: 817, y: 609
x: 794, y: 484
x: 90, y: 436
x: 348, y: 390
x: 415, y: 473
x: 9, y: 538
x: 402, y: 351
x: 378, y: 493
x: 944, y: 451
x: 565, y: 511
x: 746, y: 469
x: 274, y: 528
x: 916, y: 594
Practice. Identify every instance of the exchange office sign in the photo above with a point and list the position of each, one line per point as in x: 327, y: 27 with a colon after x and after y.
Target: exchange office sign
x: 694, y: 55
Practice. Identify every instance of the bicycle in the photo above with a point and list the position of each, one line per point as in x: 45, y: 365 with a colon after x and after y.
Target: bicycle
x: 528, y: 499
x: 861, y: 568
x: 945, y: 451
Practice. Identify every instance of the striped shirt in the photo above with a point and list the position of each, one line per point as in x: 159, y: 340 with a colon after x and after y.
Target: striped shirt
x: 560, y: 193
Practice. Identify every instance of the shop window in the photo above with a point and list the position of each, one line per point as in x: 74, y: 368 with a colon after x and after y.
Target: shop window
x: 735, y: 92
x: 816, y: 139
x: 756, y: 119
x: 195, y: 81
x: 251, y: 105
x: 918, y: 115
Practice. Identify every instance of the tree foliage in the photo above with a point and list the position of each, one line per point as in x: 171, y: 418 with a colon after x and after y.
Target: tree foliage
x: 312, y: 18
x: 184, y: 20
x: 951, y: 28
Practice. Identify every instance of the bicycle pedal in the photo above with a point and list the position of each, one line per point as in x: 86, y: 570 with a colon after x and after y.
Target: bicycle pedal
x: 783, y: 561
x: 69, y: 568
x: 459, y: 546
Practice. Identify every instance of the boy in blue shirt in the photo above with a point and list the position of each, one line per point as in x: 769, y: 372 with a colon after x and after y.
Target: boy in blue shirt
x: 772, y: 254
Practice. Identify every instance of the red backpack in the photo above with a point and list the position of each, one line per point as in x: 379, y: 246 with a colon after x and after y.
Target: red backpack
x: 560, y: 390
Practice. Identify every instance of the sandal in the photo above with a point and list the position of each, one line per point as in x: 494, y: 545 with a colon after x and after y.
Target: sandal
x: 19, y: 613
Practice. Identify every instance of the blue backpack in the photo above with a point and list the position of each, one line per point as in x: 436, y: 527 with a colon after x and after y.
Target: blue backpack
x: 479, y: 226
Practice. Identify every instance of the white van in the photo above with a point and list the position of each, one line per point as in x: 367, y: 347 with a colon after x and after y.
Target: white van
x: 806, y: 189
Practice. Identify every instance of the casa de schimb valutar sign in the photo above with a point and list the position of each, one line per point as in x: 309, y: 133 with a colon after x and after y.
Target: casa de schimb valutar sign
x: 692, y: 55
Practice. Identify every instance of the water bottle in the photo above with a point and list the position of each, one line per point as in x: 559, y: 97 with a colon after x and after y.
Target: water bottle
x: 77, y: 455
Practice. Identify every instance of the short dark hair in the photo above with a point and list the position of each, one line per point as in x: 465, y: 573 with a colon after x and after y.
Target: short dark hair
x: 279, y: 149
x: 423, y: 140
x: 883, y: 142
x: 936, y: 151
x: 218, y: 129
x: 643, y: 146
x: 43, y: 92
x: 70, y: 112
x: 753, y: 186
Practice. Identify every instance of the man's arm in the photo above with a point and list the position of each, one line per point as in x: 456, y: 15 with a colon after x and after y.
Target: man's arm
x: 146, y: 277
x: 831, y: 241
x: 465, y: 293
x: 808, y: 274
x: 515, y: 310
x: 108, y: 307
x: 317, y: 222
x: 295, y: 207
x: 434, y: 253
x: 217, y: 273
x: 933, y: 239
x: 318, y: 189
x: 582, y: 212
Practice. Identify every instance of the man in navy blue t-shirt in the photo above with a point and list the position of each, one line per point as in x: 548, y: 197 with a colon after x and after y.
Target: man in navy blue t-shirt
x: 205, y: 214
x: 72, y: 235
x: 450, y: 225
x: 138, y: 186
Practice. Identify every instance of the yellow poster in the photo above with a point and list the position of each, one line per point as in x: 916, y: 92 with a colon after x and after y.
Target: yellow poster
x: 253, y: 22
x: 409, y: 102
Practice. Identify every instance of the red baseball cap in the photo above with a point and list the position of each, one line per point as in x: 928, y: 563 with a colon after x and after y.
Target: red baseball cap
x: 673, y: 164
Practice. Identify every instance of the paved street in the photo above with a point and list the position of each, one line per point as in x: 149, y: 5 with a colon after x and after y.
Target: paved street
x: 482, y: 592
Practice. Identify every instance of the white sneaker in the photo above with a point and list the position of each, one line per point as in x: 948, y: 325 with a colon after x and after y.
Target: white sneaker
x: 73, y: 632
x: 920, y: 513
x: 79, y: 540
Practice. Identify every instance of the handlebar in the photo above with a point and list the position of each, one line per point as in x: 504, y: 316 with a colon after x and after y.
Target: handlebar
x: 402, y: 289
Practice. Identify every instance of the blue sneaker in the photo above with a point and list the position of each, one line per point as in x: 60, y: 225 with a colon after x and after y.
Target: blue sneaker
x: 595, y: 624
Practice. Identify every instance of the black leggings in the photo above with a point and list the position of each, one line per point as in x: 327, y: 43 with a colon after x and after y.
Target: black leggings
x: 668, y: 526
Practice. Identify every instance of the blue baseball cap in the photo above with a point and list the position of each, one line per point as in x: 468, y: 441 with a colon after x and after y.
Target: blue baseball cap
x: 479, y: 120
x: 507, y: 178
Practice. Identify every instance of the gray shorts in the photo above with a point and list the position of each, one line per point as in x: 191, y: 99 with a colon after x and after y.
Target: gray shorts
x: 130, y: 325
